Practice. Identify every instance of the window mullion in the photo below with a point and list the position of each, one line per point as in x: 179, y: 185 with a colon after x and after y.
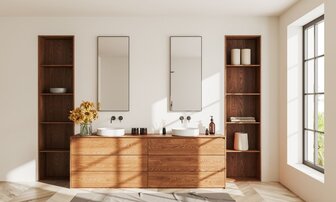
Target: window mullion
x: 312, y: 25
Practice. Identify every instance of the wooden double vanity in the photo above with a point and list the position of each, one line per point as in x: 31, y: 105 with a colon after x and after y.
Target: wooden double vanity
x: 147, y: 161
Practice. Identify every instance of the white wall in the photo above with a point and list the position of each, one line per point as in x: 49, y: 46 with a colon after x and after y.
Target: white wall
x: 149, y: 74
x: 309, y: 188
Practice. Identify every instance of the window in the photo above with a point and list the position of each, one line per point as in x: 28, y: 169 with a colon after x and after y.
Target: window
x: 313, y: 94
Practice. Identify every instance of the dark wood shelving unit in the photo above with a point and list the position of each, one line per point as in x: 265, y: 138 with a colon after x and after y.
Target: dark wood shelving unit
x: 248, y: 151
x: 56, y: 94
x: 242, y: 66
x: 243, y: 99
x: 58, y: 66
x: 56, y: 122
x: 242, y: 123
x: 55, y: 70
x: 55, y: 150
x: 242, y: 94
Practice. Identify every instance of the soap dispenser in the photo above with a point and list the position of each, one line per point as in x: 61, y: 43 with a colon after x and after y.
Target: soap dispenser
x: 212, y: 126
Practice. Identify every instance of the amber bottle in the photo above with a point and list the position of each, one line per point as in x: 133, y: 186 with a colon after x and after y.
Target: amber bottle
x: 212, y: 127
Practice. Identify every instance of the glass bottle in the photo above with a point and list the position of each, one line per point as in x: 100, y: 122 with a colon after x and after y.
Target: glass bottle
x: 212, y: 127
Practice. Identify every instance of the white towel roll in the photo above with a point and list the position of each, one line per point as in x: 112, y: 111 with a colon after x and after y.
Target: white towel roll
x: 241, y: 141
x: 246, y: 56
x: 235, y: 56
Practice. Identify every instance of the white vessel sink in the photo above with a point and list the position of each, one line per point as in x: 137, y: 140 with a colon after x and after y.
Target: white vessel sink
x: 110, y: 132
x: 186, y: 132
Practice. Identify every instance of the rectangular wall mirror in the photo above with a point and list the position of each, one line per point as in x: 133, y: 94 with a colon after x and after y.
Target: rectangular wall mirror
x: 113, y: 73
x: 185, y: 73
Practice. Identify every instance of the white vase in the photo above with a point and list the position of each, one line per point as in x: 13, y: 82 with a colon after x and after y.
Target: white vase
x: 241, y: 141
x: 235, y: 56
x: 246, y: 56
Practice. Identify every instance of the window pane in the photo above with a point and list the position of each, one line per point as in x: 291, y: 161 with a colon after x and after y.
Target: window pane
x: 320, y: 151
x: 320, y: 38
x: 309, y: 33
x: 320, y: 113
x: 320, y: 75
x: 309, y: 112
x: 309, y: 148
x: 313, y: 96
x: 309, y: 76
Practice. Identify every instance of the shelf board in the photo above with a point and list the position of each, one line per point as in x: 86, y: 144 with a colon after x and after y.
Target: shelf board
x: 242, y: 94
x: 55, y: 151
x: 56, y: 122
x: 239, y: 66
x: 55, y: 179
x: 60, y: 65
x: 248, y: 151
x: 237, y: 179
x: 56, y: 94
x: 232, y: 123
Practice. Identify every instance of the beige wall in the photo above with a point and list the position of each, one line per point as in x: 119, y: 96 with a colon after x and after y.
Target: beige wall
x: 305, y: 186
x: 149, y: 74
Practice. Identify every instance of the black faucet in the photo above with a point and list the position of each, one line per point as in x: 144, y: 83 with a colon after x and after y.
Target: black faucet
x: 120, y: 118
x: 181, y: 118
x: 188, y: 118
x: 113, y: 118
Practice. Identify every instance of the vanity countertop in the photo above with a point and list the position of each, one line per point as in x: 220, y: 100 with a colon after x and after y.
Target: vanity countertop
x: 150, y: 136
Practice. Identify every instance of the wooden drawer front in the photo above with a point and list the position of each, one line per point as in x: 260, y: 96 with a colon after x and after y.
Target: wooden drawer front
x: 186, y: 146
x: 108, y: 163
x: 108, y: 146
x: 108, y: 179
x: 186, y: 163
x: 186, y: 179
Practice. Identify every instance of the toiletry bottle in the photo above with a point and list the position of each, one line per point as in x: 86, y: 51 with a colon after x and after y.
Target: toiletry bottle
x: 163, y: 131
x: 212, y: 127
x: 206, y: 131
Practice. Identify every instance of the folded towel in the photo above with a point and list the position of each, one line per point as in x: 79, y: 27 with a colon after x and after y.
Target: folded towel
x: 242, y: 118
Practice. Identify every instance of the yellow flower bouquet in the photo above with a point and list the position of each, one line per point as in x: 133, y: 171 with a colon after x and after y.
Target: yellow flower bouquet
x: 84, y: 115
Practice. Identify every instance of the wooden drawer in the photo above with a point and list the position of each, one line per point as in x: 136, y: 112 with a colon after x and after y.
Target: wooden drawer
x: 108, y: 146
x: 186, y: 163
x: 108, y: 179
x: 186, y: 179
x: 186, y: 146
x: 108, y: 163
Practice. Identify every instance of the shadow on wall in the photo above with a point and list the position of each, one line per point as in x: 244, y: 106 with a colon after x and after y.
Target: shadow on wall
x: 19, y: 172
x: 212, y: 106
x: 18, y: 156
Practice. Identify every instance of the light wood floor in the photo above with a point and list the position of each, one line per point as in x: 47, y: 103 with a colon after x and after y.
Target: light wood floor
x: 240, y: 191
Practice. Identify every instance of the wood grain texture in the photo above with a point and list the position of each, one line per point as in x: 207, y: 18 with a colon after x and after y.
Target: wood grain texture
x: 240, y: 42
x: 55, y: 137
x: 243, y: 165
x: 54, y: 127
x: 55, y: 77
x: 56, y: 108
x: 58, y: 51
x: 108, y: 146
x: 240, y: 191
x: 243, y: 79
x: 186, y: 179
x: 202, y: 160
x: 252, y: 130
x: 108, y: 163
x: 248, y: 106
x: 187, y: 146
x: 54, y: 165
x: 108, y: 179
x: 152, y: 136
x: 186, y: 163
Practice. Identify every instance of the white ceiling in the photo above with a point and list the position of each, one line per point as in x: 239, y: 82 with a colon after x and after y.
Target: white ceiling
x: 64, y: 8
